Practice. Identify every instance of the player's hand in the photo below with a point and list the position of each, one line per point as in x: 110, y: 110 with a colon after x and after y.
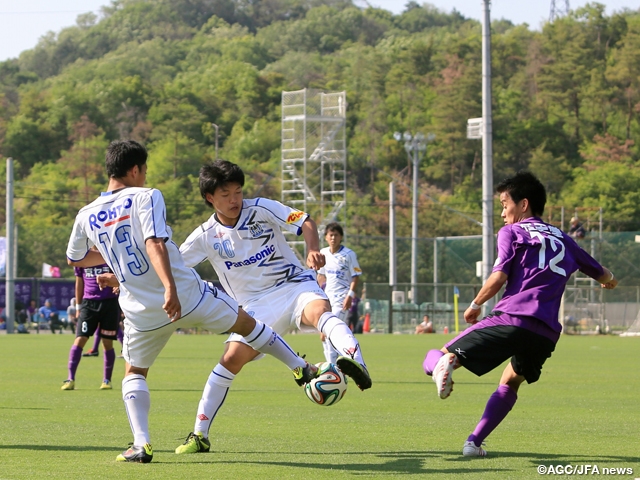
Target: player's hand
x: 347, y: 303
x: 107, y: 280
x: 315, y: 260
x: 611, y: 284
x: 471, y: 315
x: 172, y: 305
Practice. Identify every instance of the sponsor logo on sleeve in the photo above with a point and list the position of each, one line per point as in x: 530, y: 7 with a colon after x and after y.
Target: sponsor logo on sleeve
x: 295, y: 216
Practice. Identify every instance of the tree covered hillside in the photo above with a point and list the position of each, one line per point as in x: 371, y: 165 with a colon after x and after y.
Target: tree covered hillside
x: 566, y: 106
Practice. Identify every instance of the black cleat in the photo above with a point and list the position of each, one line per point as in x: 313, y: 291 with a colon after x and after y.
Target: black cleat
x: 357, y: 372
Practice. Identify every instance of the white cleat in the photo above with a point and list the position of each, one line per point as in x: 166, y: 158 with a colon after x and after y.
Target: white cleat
x: 470, y: 450
x: 443, y: 375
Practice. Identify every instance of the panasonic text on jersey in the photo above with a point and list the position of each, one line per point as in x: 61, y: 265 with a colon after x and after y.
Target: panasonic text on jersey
x: 264, y: 253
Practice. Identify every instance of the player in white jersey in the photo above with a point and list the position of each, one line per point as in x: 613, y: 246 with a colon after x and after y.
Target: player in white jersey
x: 158, y: 292
x: 244, y: 243
x: 340, y: 276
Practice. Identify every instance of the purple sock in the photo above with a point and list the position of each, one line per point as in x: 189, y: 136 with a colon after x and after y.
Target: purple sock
x: 75, y: 355
x: 96, y: 341
x: 430, y: 361
x: 499, y: 405
x: 120, y: 336
x: 109, y: 360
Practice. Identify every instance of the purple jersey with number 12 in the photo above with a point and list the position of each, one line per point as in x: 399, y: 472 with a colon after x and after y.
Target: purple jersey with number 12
x: 538, y: 260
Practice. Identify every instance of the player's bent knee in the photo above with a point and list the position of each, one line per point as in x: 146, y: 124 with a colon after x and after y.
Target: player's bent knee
x: 244, y: 325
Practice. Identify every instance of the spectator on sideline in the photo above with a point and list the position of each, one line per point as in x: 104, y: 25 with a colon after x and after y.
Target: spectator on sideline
x: 48, y: 314
x: 426, y: 326
x: 576, y: 230
x: 72, y: 314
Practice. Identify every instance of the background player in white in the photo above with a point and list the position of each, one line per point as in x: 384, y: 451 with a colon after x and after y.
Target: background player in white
x: 244, y: 242
x: 340, y: 275
x: 158, y: 293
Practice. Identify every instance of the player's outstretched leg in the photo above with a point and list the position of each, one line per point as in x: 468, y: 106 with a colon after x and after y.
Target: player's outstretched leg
x: 137, y: 402
x: 341, y: 338
x: 499, y: 405
x: 443, y: 374
x: 265, y: 340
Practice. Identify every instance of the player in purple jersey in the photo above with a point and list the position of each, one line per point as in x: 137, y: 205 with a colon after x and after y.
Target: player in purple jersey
x: 98, y: 311
x: 535, y: 261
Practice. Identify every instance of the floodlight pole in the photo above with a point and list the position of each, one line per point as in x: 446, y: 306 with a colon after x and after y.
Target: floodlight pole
x: 393, y: 279
x: 416, y: 147
x: 9, y: 266
x: 414, y: 224
x: 487, y: 153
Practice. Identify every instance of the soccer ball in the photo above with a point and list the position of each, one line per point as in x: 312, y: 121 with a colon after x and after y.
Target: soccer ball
x: 328, y: 387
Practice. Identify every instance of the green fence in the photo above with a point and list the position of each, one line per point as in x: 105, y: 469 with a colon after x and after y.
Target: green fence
x: 589, y: 306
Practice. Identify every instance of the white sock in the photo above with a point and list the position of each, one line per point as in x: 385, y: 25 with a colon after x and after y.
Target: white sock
x: 330, y: 353
x: 265, y: 340
x: 213, y: 396
x: 137, y: 403
x: 340, y: 336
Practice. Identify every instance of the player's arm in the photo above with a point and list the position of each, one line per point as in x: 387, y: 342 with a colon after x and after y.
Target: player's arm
x: 79, y: 293
x: 91, y: 259
x: 159, y: 257
x: 309, y: 229
x: 348, y: 300
x: 322, y: 279
x: 107, y: 280
x: 490, y: 288
x: 607, y: 280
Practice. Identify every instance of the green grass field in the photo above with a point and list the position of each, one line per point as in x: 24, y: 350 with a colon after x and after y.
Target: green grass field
x: 584, y: 410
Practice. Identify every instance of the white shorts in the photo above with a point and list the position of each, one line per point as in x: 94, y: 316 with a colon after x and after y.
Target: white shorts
x: 282, y: 308
x: 217, y: 312
x: 340, y: 313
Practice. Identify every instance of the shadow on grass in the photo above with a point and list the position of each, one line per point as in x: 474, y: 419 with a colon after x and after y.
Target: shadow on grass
x: 408, y: 462
x: 25, y: 408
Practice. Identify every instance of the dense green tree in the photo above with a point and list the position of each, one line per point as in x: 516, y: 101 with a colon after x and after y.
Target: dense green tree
x: 565, y: 105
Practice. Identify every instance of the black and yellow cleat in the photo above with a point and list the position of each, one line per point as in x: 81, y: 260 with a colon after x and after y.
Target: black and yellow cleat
x: 142, y: 454
x: 68, y: 385
x: 304, y: 375
x: 195, y: 443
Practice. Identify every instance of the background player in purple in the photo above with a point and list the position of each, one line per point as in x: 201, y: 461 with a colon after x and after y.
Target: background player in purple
x: 535, y: 260
x: 98, y: 310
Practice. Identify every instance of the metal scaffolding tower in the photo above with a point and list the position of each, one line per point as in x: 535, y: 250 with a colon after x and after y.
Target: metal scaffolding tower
x: 314, y: 154
x: 557, y: 10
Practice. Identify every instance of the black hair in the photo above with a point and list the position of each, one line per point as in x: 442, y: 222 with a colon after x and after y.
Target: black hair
x: 334, y: 227
x: 216, y: 174
x: 122, y: 156
x: 525, y: 185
